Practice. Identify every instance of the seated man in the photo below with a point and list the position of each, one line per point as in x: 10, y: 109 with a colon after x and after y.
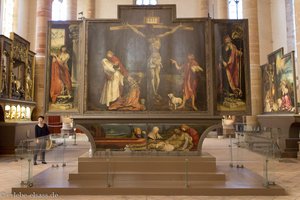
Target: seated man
x: 181, y: 141
x: 193, y: 133
x: 138, y: 133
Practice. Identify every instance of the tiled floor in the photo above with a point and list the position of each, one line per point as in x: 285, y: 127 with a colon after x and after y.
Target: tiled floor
x: 284, y: 172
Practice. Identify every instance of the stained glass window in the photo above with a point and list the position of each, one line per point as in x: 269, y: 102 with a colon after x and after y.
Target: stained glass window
x: 235, y: 9
x: 8, y: 16
x: 146, y: 2
x: 59, y: 10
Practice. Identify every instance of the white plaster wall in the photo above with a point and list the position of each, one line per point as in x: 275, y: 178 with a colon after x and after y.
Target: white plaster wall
x: 107, y: 9
x: 1, y: 15
x: 31, y: 23
x: 21, y: 18
x: 24, y: 20
x: 279, y: 30
x: 187, y: 8
x: 80, y: 6
x: 265, y: 30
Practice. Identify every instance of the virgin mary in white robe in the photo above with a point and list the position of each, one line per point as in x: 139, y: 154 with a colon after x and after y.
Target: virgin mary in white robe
x: 111, y: 88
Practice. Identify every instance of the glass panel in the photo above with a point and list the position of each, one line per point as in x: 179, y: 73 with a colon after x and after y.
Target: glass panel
x: 248, y: 151
x: 24, y: 152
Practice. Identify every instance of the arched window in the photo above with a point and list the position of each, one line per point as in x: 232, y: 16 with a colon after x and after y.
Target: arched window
x: 146, y: 2
x: 59, y: 10
x: 235, y: 9
x: 7, y: 16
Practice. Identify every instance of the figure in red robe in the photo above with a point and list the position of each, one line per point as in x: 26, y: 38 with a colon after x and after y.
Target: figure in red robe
x: 285, y: 101
x: 193, y: 133
x: 231, y: 63
x: 60, y: 76
x: 130, y: 101
x: 117, y: 63
x: 190, y: 70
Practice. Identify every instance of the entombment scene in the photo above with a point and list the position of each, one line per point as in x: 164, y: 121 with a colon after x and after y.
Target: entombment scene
x: 144, y: 137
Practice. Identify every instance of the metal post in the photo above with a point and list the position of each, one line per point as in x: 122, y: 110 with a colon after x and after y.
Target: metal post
x: 186, y: 173
x: 75, y: 137
x: 266, y: 173
x: 29, y: 175
x: 63, y: 153
x: 108, y: 176
x: 231, y: 153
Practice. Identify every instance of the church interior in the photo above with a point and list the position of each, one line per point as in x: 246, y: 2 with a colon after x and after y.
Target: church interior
x: 149, y: 99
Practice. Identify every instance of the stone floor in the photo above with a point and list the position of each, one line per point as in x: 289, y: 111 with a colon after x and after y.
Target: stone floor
x: 285, y: 172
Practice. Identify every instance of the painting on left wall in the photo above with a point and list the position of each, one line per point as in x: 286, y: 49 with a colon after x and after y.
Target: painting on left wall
x: 63, y: 54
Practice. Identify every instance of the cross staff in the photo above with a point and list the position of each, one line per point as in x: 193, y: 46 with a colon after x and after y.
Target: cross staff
x: 155, y: 26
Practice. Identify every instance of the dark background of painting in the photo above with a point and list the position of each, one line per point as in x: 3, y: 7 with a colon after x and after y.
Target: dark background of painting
x: 133, y: 51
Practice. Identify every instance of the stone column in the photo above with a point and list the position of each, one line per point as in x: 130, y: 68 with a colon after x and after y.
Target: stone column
x: 203, y: 8
x: 31, y: 23
x: 289, y: 7
x: 43, y: 15
x: 71, y: 6
x: 90, y: 9
x: 297, y: 23
x: 218, y: 9
x: 265, y: 30
x: 221, y: 9
x: 250, y: 13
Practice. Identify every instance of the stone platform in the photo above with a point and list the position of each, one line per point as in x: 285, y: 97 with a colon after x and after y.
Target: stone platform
x: 149, y: 175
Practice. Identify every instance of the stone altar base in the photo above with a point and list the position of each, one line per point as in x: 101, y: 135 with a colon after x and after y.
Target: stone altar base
x: 149, y: 175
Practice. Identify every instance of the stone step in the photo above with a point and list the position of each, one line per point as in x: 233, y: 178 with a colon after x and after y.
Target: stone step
x: 289, y: 154
x: 174, y: 188
x: 238, y: 182
x: 147, y: 158
x: 146, y: 166
x: 146, y: 176
x: 146, y: 163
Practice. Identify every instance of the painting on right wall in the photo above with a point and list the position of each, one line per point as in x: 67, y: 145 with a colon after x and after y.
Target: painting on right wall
x: 279, y: 85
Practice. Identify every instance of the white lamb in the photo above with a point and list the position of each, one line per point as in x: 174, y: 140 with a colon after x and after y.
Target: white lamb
x: 174, y: 101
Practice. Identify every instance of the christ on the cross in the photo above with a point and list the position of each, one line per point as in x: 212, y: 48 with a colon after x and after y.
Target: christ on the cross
x: 154, y: 62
